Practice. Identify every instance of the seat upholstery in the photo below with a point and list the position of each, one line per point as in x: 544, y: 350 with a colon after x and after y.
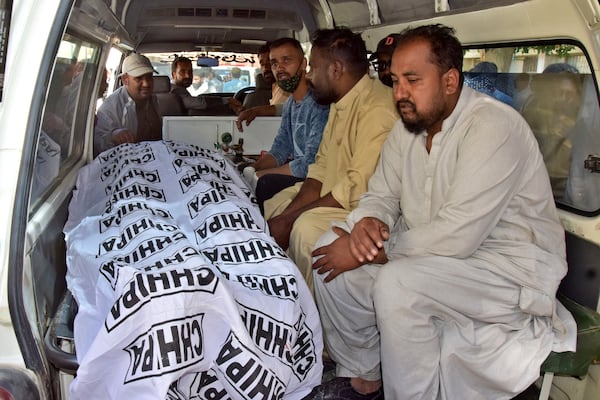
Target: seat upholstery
x: 168, y: 103
x: 588, y: 347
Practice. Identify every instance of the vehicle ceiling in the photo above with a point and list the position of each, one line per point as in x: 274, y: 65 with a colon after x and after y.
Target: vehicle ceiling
x: 228, y: 25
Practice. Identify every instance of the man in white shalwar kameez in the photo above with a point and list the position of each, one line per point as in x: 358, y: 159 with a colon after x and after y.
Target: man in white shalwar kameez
x: 444, y: 287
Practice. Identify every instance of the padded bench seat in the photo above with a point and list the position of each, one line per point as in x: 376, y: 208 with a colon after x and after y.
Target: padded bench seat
x: 588, y: 347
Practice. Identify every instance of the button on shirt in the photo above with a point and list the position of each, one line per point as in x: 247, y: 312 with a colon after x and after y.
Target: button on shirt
x: 300, y: 133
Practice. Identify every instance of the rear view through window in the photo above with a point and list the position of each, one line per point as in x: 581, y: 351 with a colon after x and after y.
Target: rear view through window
x: 551, y: 86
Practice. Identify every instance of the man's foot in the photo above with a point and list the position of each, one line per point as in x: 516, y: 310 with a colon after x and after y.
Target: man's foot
x: 363, y: 386
x: 341, y: 389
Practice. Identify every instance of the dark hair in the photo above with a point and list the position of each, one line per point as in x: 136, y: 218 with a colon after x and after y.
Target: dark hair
x: 287, y: 41
x: 344, y: 45
x: 560, y: 67
x: 264, y: 49
x: 178, y: 60
x: 446, y: 49
x: 236, y: 72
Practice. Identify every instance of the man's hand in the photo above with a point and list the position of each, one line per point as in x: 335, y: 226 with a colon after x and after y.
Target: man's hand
x: 280, y: 228
x: 235, y: 105
x: 367, y: 237
x: 336, y: 257
x: 246, y: 115
x: 120, y: 136
x: 253, y: 112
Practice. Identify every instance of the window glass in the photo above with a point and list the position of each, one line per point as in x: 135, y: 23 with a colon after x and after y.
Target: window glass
x: 550, y: 84
x: 111, y: 69
x: 62, y: 133
x: 234, y: 72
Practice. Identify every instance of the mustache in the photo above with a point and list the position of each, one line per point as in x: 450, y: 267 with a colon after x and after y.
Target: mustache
x: 405, y: 103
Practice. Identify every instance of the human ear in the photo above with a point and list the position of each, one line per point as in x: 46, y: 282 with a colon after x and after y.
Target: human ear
x: 303, y: 64
x: 336, y: 69
x: 452, y: 80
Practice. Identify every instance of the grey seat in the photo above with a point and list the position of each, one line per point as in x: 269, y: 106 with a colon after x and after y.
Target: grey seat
x: 168, y: 103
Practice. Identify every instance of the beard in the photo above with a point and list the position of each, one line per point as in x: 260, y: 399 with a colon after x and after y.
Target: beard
x: 269, y: 77
x: 323, y: 97
x: 417, y: 122
x: 186, y: 82
x: 387, y: 80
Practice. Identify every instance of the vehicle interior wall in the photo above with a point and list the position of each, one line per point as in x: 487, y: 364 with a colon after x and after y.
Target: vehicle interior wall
x: 60, y: 149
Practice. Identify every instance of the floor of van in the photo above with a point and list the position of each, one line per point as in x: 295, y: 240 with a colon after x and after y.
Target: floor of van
x: 532, y: 392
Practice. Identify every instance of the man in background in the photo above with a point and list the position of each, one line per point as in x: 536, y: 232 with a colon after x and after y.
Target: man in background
x: 129, y: 114
x: 382, y: 59
x: 181, y: 80
x: 274, y: 106
x: 301, y: 129
x: 361, y: 115
x: 198, y: 85
x: 235, y: 83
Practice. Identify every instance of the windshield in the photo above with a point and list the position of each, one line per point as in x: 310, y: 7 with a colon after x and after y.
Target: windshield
x: 234, y: 71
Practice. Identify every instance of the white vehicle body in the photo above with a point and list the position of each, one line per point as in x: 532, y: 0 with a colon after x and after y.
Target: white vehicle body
x: 31, y: 284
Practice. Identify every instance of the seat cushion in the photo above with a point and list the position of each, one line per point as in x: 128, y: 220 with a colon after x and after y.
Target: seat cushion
x: 588, y: 343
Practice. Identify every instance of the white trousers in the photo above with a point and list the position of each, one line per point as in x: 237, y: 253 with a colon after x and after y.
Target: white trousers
x: 442, y: 328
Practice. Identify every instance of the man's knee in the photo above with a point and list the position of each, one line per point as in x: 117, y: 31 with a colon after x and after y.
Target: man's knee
x: 278, y: 203
x: 397, y: 281
x: 415, y: 272
x: 308, y: 225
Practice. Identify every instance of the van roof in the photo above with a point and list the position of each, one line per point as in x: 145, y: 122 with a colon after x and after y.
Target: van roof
x: 226, y: 25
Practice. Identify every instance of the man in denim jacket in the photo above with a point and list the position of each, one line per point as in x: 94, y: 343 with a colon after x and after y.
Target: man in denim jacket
x: 302, y: 124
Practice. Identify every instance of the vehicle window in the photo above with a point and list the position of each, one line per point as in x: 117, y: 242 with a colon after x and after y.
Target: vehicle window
x: 550, y: 84
x: 62, y: 133
x: 234, y: 72
x: 112, y: 70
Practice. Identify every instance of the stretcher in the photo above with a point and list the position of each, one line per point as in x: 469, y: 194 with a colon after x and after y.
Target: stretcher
x: 178, y: 291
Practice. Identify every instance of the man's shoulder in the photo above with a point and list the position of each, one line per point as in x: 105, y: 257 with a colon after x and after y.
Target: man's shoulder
x: 371, y: 93
x: 486, y: 107
x: 376, y: 101
x: 309, y: 102
x: 488, y: 116
x: 113, y: 99
x: 377, y: 92
x: 179, y: 90
x: 307, y: 108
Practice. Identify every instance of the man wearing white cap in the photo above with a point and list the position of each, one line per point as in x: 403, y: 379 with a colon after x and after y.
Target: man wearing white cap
x: 129, y: 114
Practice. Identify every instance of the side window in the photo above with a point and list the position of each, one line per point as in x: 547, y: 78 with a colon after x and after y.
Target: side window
x: 62, y: 133
x: 551, y: 85
x: 112, y: 70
